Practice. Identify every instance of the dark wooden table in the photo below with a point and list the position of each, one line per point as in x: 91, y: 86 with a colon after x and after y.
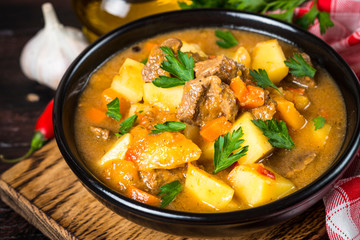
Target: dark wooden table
x: 19, y: 21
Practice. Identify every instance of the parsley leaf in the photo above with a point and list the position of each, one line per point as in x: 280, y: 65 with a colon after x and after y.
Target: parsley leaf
x: 224, y: 155
x: 286, y: 16
x: 308, y: 18
x: 299, y: 67
x: 249, y: 5
x: 144, y: 61
x: 168, y: 192
x: 262, y: 79
x: 113, y: 109
x: 324, y: 21
x: 168, y: 82
x: 126, y: 125
x: 227, y: 39
x: 181, y: 67
x: 168, y: 126
x: 277, y: 133
x: 319, y: 122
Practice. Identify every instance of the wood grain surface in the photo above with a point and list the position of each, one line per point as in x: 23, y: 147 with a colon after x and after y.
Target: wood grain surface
x: 46, y: 192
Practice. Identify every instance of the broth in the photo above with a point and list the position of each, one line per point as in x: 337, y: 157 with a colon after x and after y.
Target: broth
x: 301, y: 165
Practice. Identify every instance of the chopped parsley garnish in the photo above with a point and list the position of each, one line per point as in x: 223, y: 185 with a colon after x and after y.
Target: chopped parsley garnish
x: 182, y: 67
x: 168, y: 192
x: 225, y: 147
x: 227, y: 39
x: 168, y: 126
x: 319, y: 122
x: 113, y: 109
x: 299, y: 67
x: 277, y: 133
x: 126, y: 125
x: 262, y: 79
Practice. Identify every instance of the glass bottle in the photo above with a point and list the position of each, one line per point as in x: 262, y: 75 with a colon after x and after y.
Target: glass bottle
x: 101, y: 16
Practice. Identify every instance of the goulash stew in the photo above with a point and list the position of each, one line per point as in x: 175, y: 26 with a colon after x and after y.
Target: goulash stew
x: 209, y: 120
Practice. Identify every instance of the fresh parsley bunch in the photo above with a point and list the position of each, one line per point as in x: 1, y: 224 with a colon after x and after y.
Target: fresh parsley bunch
x: 285, y: 7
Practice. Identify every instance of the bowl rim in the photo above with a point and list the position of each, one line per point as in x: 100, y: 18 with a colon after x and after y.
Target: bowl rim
x: 271, y: 209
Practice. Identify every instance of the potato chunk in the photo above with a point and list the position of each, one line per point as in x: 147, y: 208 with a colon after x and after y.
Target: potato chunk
x: 207, y: 188
x: 169, y: 98
x: 242, y: 56
x: 317, y: 137
x: 161, y: 151
x: 253, y: 186
x: 254, y: 138
x: 128, y: 82
x: 118, y: 149
x: 268, y: 55
x: 194, y: 48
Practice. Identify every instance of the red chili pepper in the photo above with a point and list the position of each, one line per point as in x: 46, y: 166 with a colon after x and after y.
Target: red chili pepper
x: 265, y: 172
x: 44, y: 131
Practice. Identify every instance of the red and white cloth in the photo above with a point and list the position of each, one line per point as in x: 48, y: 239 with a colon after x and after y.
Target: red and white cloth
x: 342, y: 203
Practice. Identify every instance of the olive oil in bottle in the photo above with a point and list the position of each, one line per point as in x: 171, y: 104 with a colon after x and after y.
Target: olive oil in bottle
x: 101, y: 16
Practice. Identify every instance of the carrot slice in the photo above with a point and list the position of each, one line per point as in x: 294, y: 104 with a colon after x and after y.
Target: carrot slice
x: 214, y: 128
x: 110, y: 94
x: 95, y: 115
x: 248, y: 96
x: 144, y: 197
x: 239, y: 88
x: 255, y: 97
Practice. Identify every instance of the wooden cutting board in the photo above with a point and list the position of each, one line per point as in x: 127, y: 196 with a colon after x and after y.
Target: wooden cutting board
x: 45, y: 191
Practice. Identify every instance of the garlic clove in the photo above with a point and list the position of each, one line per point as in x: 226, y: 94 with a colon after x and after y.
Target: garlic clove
x: 48, y: 54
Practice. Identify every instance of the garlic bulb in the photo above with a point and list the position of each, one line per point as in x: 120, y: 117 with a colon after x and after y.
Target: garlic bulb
x: 47, y: 55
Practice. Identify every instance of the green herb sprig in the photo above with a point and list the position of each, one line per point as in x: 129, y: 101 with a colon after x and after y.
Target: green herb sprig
x: 225, y: 147
x: 168, y: 126
x: 299, y: 67
x: 285, y: 7
x: 277, y: 133
x: 262, y: 79
x: 113, y: 109
x: 168, y: 192
x: 126, y: 125
x: 227, y: 39
x: 309, y: 18
x: 182, y: 67
x: 319, y: 122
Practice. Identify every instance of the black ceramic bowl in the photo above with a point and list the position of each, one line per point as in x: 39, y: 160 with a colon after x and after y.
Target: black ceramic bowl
x: 195, y: 224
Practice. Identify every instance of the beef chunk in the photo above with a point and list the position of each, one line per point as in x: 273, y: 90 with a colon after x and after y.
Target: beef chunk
x: 300, y: 163
x: 100, y: 133
x: 267, y: 111
x: 153, y: 179
x: 302, y: 81
x: 196, y: 57
x: 205, y: 99
x: 152, y: 69
x: 220, y: 66
x: 295, y: 163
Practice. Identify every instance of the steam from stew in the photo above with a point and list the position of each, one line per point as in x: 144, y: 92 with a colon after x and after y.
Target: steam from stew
x: 177, y: 121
